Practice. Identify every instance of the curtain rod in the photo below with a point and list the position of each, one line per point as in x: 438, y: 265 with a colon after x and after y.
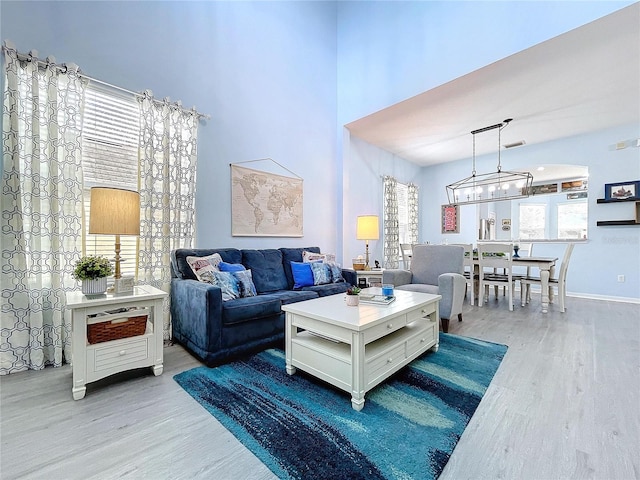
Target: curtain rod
x: 32, y: 56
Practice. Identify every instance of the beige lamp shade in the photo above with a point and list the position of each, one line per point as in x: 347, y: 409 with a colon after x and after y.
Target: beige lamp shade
x: 114, y: 211
x: 368, y: 228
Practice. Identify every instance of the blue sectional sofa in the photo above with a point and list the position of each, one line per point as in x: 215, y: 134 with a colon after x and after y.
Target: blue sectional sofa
x: 216, y: 330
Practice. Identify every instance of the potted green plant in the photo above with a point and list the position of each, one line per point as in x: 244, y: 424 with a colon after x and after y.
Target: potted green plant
x: 352, y: 296
x: 93, y: 271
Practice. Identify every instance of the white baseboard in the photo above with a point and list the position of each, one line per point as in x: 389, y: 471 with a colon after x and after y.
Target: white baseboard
x: 592, y: 296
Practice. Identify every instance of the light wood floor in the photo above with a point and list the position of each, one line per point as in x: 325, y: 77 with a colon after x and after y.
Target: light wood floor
x: 565, y: 404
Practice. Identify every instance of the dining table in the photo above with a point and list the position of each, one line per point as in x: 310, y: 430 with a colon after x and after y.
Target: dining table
x: 546, y: 266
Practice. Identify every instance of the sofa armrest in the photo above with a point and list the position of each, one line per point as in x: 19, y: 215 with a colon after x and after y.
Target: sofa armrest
x: 350, y: 276
x: 452, y: 288
x: 196, y: 313
x: 396, y: 277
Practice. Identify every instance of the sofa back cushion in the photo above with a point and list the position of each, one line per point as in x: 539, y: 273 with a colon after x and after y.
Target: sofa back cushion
x: 180, y: 268
x: 266, y: 268
x: 293, y: 255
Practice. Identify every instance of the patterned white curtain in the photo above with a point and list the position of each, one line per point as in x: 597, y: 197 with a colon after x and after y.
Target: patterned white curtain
x: 412, y: 190
x: 41, y: 210
x: 391, y: 224
x: 168, y: 154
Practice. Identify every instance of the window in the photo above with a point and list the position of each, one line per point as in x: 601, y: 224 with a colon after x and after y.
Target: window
x: 532, y: 221
x: 111, y: 125
x: 572, y: 220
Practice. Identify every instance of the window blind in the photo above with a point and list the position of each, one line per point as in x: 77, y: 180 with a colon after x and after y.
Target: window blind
x: 111, y: 126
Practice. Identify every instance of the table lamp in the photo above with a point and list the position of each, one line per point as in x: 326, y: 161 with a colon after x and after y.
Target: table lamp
x: 115, y: 211
x: 368, y: 228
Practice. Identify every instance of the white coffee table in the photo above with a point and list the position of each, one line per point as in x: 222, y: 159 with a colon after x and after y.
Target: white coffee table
x: 356, y: 348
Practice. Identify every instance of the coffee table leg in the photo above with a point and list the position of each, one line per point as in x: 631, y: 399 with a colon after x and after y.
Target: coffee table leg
x: 357, y: 371
x: 289, y: 332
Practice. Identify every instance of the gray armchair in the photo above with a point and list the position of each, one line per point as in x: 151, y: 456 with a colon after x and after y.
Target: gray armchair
x: 434, y: 269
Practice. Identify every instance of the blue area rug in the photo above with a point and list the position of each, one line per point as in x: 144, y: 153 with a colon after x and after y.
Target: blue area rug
x: 303, y: 428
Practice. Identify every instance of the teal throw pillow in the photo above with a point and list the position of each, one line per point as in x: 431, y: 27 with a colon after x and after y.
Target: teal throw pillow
x: 227, y: 282
x: 321, y: 273
x: 336, y: 272
x: 247, y: 287
x: 302, y: 274
x: 230, y: 267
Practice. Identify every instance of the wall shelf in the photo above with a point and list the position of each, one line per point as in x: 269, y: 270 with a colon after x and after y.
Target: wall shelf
x: 612, y: 223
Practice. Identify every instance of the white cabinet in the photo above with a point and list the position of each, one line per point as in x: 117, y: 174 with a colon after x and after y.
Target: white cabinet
x: 92, y: 362
x: 370, y: 278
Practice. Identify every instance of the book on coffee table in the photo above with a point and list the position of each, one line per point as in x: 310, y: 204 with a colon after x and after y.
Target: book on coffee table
x: 376, y: 299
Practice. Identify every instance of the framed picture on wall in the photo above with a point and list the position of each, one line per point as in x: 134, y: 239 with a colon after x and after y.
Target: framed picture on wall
x: 450, y: 219
x: 621, y: 191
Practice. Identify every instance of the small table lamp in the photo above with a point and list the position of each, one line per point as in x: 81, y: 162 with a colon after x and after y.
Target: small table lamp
x: 114, y: 211
x: 368, y: 228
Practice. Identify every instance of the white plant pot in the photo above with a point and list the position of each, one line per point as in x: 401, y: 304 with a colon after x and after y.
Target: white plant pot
x: 95, y: 286
x: 353, y: 300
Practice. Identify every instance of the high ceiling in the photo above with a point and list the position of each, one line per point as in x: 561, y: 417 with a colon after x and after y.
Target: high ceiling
x: 585, y: 80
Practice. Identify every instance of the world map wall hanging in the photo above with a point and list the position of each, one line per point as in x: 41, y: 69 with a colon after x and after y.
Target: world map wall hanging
x: 265, y: 204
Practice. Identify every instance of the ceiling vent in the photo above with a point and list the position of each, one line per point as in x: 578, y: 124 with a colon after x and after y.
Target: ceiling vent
x: 514, y: 144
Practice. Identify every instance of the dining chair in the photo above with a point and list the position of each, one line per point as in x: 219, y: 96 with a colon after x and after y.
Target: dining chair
x: 559, y: 282
x: 406, y: 250
x: 469, y: 274
x: 491, y: 257
x: 524, y: 250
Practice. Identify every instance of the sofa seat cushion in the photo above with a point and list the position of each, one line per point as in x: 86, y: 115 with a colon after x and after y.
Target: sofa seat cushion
x: 419, y: 287
x: 267, y: 269
x: 247, y: 309
x: 328, y: 289
x: 293, y: 296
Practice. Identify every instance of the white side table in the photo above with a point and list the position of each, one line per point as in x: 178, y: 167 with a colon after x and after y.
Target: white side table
x: 92, y: 362
x: 372, y: 277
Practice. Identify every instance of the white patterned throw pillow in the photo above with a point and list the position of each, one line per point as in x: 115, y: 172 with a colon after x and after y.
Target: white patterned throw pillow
x: 202, y: 265
x: 308, y: 257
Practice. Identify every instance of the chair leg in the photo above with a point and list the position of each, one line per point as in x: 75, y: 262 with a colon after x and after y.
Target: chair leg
x: 522, y: 294
x: 445, y: 325
x: 510, y: 297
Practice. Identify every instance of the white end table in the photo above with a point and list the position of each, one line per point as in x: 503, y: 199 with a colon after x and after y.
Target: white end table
x: 372, y: 277
x: 93, y: 362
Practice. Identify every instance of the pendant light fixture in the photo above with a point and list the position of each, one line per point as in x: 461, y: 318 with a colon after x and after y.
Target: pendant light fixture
x: 490, y: 187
